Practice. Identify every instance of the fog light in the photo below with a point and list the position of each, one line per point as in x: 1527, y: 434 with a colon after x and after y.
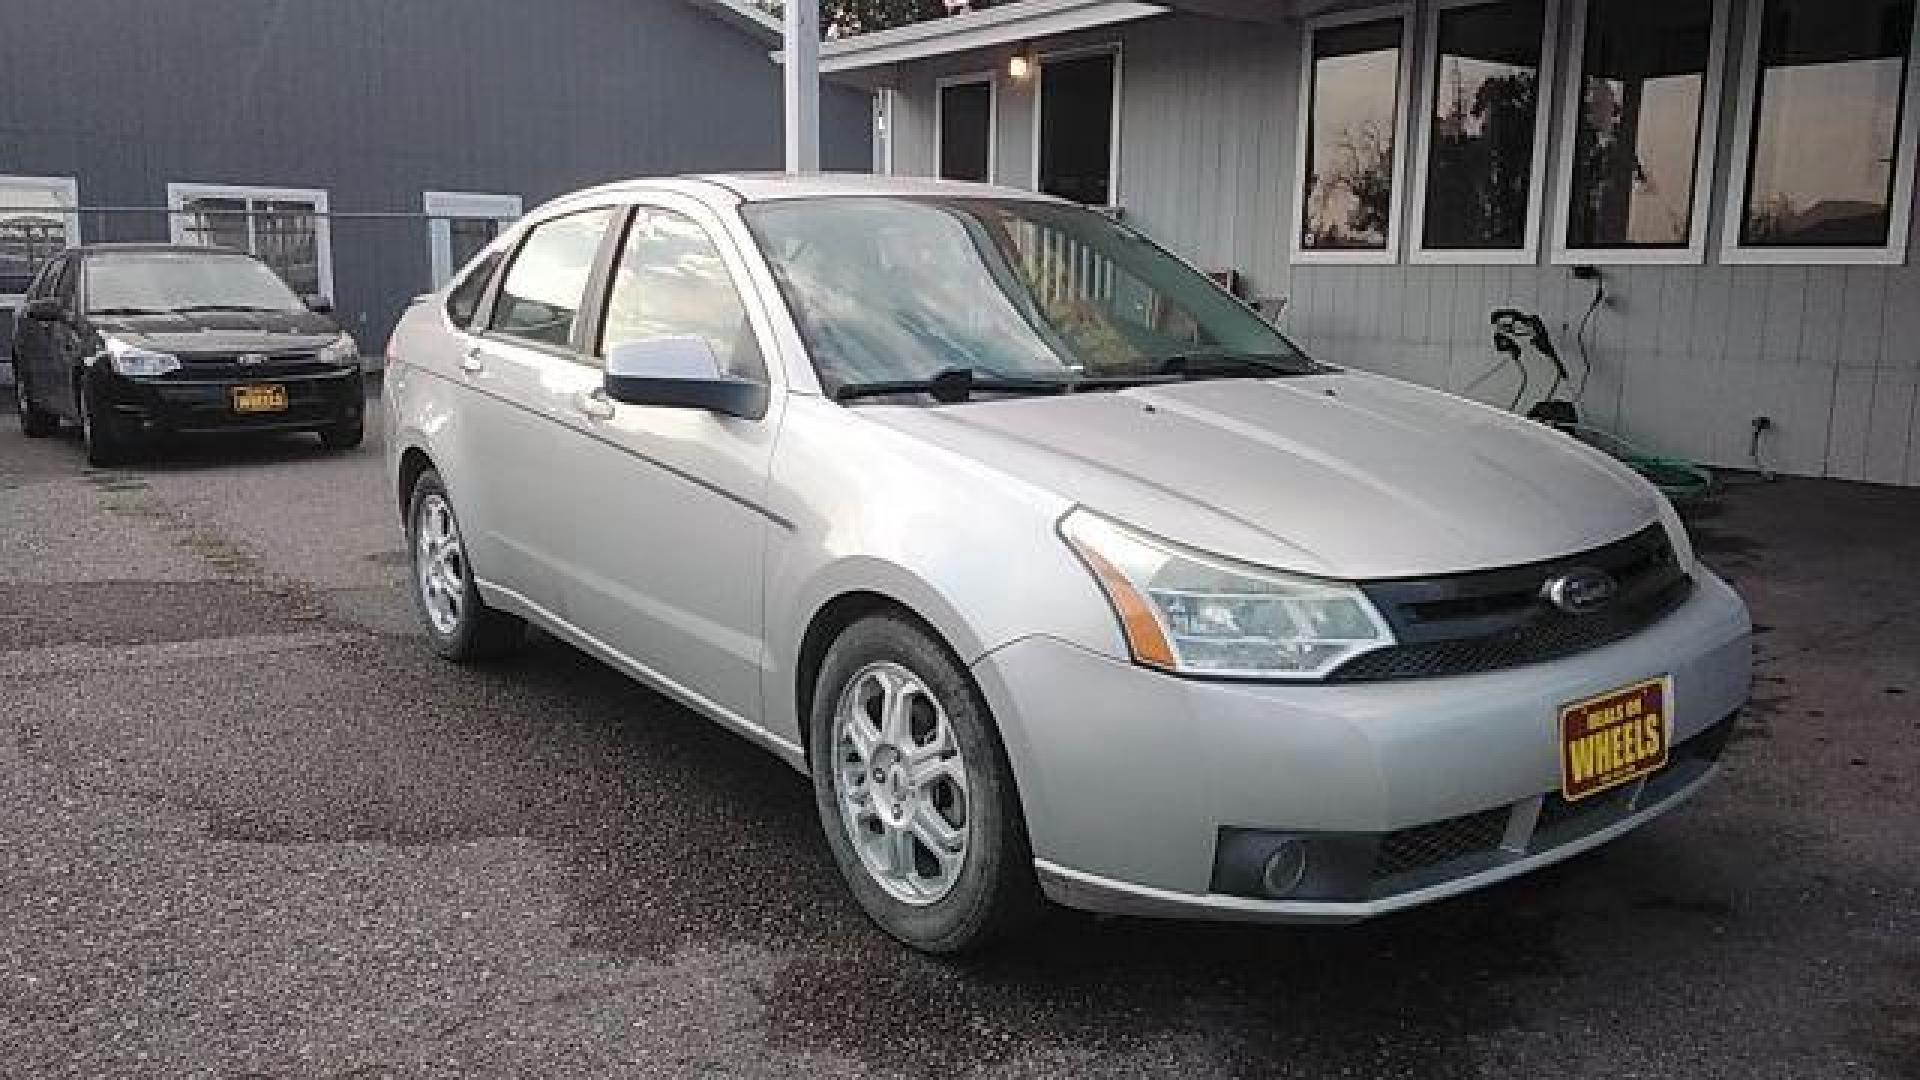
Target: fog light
x: 1284, y: 869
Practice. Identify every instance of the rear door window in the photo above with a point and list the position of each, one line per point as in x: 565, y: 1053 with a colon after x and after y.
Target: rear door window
x: 541, y: 295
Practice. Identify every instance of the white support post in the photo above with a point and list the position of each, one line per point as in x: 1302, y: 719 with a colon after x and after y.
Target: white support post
x: 803, y: 85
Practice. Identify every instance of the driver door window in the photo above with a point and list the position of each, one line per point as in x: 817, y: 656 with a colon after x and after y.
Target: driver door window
x: 670, y: 280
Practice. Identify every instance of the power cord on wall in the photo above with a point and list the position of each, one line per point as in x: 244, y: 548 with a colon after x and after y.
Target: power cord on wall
x: 1580, y: 334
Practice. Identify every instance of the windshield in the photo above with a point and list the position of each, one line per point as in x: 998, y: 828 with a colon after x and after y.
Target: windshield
x: 892, y: 289
x: 160, y: 282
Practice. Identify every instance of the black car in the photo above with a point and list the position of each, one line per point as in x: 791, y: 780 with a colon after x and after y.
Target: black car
x: 134, y: 341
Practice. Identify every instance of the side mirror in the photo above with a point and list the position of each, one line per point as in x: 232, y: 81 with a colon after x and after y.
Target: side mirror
x: 46, y: 309
x: 319, y: 305
x: 679, y: 371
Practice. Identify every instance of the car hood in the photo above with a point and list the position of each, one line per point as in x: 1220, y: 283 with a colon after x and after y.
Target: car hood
x: 221, y: 331
x: 1341, y: 475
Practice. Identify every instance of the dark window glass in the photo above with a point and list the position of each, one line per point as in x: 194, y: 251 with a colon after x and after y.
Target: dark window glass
x: 1076, y: 129
x: 1826, y: 123
x: 1486, y: 97
x: 1637, y: 137
x: 467, y: 237
x: 966, y: 131
x: 27, y: 241
x: 463, y: 301
x: 671, y: 281
x: 1352, y: 99
x: 540, y: 298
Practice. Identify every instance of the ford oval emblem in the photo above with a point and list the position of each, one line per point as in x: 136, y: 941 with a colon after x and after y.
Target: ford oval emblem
x: 1580, y: 591
x: 251, y: 358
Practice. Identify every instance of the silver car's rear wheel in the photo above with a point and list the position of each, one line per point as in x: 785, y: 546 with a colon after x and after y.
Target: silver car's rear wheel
x: 445, y: 586
x: 901, y: 782
x: 440, y: 564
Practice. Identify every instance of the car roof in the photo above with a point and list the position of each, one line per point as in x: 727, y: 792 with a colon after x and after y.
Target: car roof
x: 749, y: 187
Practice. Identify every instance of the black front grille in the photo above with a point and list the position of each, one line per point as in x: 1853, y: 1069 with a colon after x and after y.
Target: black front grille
x: 201, y: 365
x: 1439, y: 842
x: 1485, y: 620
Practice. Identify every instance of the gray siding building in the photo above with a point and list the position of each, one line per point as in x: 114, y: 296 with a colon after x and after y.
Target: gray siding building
x: 321, y: 133
x: 1739, y: 172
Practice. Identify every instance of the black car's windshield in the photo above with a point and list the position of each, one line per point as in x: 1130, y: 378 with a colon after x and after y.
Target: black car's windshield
x: 160, y: 282
x: 895, y: 289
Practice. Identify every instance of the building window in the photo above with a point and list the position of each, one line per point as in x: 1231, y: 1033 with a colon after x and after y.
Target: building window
x: 460, y: 225
x: 1077, y: 138
x: 1825, y: 172
x: 1484, y: 141
x: 37, y: 222
x: 963, y: 129
x: 1642, y: 108
x: 286, y: 228
x: 1352, y: 110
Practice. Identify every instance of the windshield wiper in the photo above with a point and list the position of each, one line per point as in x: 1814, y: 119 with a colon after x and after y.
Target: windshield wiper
x: 1218, y: 362
x: 953, y: 385
x: 129, y: 311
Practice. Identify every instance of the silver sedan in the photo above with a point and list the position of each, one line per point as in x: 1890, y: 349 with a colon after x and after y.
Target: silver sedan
x: 1060, y: 572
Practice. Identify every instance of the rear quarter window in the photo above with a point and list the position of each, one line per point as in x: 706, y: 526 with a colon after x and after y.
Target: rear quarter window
x: 463, y: 300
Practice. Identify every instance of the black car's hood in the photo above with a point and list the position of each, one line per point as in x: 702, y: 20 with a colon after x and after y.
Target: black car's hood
x: 221, y: 331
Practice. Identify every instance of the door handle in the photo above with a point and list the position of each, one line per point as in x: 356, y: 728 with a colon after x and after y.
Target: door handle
x: 471, y: 363
x: 594, y: 404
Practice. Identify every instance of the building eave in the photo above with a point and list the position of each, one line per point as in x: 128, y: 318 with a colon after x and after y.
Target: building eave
x: 744, y: 15
x: 1009, y: 24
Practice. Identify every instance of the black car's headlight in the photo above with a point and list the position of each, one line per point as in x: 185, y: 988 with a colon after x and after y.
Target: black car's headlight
x: 1198, y: 614
x: 138, y: 362
x: 344, y: 352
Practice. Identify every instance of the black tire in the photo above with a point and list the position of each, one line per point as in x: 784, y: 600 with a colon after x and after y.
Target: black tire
x: 35, y: 422
x: 994, y: 894
x: 478, y: 632
x: 104, y: 435
x: 343, y: 436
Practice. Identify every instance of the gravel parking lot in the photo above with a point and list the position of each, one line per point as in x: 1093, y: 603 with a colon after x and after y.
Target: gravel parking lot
x: 253, y: 827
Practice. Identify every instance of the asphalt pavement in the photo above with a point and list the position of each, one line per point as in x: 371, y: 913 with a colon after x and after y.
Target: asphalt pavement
x: 251, y: 826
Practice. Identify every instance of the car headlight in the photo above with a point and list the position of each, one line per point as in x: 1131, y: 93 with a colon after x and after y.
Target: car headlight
x: 1198, y: 614
x: 1677, y: 535
x: 344, y: 352
x: 130, y: 359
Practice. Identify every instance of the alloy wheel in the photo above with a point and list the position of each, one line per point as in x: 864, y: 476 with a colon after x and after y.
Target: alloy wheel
x: 901, y: 783
x: 440, y: 564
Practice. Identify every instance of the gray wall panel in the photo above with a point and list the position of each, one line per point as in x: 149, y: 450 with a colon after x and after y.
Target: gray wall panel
x: 378, y: 101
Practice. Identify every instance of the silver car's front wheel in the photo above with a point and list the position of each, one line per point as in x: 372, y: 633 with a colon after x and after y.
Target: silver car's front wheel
x: 913, y: 788
x: 901, y: 780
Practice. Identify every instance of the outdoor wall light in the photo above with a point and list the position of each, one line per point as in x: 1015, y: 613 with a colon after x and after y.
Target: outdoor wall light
x: 1020, y: 68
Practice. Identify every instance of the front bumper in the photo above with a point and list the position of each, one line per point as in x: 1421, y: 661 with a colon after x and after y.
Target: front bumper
x: 1136, y: 784
x: 187, y: 405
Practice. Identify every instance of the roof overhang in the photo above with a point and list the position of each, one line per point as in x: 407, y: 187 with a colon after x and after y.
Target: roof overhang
x: 1008, y: 24
x: 744, y: 15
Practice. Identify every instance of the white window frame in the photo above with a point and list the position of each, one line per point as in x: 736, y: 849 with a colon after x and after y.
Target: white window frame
x: 1899, y: 212
x: 1303, y: 126
x: 442, y: 205
x: 1039, y: 96
x: 971, y: 78
x: 179, y: 194
x: 1528, y: 253
x: 1706, y: 145
x: 65, y: 191
x: 884, y: 111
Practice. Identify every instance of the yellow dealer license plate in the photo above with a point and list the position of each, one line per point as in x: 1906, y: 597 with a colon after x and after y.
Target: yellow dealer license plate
x: 1619, y: 736
x: 267, y: 398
